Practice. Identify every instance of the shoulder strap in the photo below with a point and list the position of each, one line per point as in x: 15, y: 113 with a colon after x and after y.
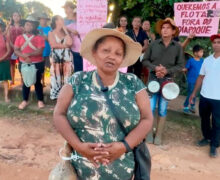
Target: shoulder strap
x: 28, y: 42
x: 110, y: 104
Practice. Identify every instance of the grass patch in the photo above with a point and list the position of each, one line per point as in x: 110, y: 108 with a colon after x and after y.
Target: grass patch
x: 11, y: 110
x: 184, y: 120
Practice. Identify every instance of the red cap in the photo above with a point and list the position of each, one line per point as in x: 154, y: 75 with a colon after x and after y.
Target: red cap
x: 213, y: 37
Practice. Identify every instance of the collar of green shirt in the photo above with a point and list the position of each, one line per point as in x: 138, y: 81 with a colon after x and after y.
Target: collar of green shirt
x: 171, y: 43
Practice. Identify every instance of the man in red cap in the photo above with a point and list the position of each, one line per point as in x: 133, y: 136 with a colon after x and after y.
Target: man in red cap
x: 209, y: 105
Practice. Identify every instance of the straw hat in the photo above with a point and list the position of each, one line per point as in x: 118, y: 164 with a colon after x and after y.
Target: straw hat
x: 133, y: 49
x: 160, y: 23
x: 31, y: 19
x: 43, y: 16
x: 215, y: 36
x: 69, y: 4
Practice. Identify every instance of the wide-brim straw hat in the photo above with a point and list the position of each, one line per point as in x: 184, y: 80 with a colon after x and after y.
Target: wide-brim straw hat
x: 43, y: 16
x: 133, y: 49
x: 160, y: 23
x: 31, y: 19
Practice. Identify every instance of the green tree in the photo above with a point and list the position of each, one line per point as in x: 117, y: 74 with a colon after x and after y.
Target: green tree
x: 7, y: 7
x: 36, y: 8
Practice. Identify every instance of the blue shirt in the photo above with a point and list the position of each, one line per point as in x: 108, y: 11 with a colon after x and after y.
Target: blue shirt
x: 68, y: 21
x: 45, y: 31
x: 193, y: 66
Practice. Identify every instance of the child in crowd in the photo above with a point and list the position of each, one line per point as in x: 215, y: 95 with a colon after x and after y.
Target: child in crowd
x: 192, y: 68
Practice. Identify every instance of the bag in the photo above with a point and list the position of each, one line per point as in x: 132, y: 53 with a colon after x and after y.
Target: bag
x: 29, y: 74
x: 141, y: 154
x: 64, y: 170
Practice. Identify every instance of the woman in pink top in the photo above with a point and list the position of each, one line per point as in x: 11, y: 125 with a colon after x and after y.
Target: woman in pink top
x: 14, y: 30
x: 4, y: 63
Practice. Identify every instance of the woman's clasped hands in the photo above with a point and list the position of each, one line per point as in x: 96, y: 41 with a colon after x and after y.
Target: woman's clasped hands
x: 100, y: 153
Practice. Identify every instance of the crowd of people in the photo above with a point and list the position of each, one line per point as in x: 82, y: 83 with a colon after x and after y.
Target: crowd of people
x: 83, y: 114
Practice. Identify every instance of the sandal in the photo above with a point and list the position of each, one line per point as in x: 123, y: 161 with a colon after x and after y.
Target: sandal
x: 23, y: 105
x: 41, y: 104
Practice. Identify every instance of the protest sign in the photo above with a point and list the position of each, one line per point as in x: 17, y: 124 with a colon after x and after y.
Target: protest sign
x: 201, y: 18
x: 91, y: 14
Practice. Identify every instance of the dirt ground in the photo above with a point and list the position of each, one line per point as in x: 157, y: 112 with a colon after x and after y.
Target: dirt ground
x: 29, y: 150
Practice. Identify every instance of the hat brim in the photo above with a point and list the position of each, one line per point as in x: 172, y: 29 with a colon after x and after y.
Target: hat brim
x: 161, y: 22
x: 215, y: 36
x: 23, y: 21
x: 133, y: 49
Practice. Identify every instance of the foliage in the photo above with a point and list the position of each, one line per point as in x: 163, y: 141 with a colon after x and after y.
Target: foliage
x: 36, y: 8
x: 7, y: 7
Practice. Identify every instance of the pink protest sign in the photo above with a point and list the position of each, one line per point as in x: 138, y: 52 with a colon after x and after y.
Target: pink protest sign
x: 201, y: 18
x: 91, y: 14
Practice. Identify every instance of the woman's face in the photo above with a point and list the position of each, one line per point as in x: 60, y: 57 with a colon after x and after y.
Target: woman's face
x: 109, y: 55
x: 146, y: 26
x: 123, y: 22
x: 16, y: 17
x: 59, y: 22
x: 136, y: 23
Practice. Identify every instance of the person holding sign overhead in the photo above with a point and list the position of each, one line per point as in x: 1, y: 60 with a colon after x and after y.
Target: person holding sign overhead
x: 164, y: 57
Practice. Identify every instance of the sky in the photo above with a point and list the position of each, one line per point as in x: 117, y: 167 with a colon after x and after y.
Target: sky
x: 54, y: 5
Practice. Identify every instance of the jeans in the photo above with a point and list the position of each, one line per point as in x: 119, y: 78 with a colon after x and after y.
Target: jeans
x: 38, y: 85
x: 162, y: 104
x: 189, y: 92
x: 208, y: 108
x: 77, y: 62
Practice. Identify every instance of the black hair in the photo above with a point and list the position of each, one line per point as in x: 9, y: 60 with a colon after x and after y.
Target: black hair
x: 139, y: 17
x: 146, y: 20
x: 12, y: 21
x: 53, y: 21
x: 197, y: 48
x: 102, y: 39
x: 122, y: 16
x: 109, y: 26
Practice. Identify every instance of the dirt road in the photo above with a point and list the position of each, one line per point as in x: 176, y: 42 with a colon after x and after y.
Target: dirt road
x: 29, y: 149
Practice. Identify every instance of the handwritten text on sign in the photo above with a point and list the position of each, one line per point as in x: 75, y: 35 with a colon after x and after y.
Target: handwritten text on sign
x: 91, y: 14
x: 197, y: 17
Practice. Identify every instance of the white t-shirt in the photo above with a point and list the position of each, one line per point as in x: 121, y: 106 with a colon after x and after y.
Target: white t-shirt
x: 211, y: 82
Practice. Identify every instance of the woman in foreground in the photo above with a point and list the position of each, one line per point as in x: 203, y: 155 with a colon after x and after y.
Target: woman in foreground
x: 85, y: 120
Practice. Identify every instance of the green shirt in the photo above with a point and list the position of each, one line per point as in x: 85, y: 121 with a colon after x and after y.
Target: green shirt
x: 93, y: 121
x: 170, y: 57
